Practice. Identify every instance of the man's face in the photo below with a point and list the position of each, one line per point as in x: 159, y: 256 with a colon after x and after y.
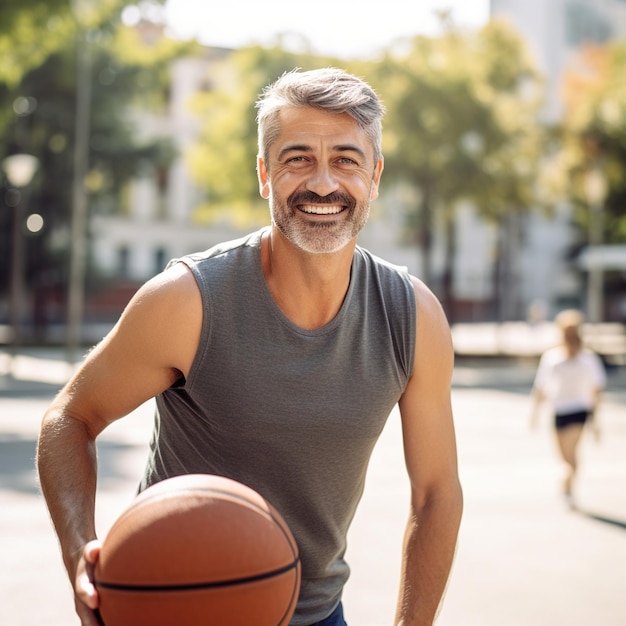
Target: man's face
x: 320, y: 178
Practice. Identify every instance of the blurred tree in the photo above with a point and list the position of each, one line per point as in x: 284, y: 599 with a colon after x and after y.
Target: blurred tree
x: 223, y: 160
x: 594, y: 135
x: 128, y: 74
x: 461, y: 127
x: 29, y: 32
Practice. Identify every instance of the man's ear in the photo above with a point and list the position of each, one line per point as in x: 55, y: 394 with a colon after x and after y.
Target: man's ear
x: 378, y: 170
x: 261, y: 170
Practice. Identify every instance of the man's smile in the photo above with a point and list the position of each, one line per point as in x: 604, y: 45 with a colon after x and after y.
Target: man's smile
x: 329, y: 209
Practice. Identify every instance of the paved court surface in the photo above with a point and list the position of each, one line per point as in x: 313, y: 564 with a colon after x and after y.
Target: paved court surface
x: 523, y: 559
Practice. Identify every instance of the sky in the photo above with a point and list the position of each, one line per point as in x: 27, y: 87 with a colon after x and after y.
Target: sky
x: 343, y: 28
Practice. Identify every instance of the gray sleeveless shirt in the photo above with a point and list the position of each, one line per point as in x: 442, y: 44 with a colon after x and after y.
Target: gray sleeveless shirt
x: 292, y: 413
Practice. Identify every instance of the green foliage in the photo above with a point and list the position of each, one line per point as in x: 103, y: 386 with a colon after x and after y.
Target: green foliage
x: 223, y: 160
x: 462, y: 119
x: 29, y: 32
x: 32, y: 30
x: 128, y: 79
x: 462, y: 126
x: 594, y: 134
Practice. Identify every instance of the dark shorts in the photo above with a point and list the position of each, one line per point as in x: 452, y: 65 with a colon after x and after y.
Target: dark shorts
x: 334, y: 619
x: 562, y: 420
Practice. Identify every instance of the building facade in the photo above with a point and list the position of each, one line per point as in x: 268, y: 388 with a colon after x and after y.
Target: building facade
x: 538, y: 274
x: 556, y: 31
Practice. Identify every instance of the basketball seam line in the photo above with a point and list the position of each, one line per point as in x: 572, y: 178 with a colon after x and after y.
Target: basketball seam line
x: 204, y: 585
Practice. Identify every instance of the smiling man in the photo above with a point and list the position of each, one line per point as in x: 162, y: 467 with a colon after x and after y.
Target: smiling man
x: 276, y: 359
x: 323, y: 176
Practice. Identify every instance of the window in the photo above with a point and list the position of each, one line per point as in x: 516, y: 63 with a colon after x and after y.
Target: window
x: 123, y: 261
x: 584, y: 24
x: 160, y: 260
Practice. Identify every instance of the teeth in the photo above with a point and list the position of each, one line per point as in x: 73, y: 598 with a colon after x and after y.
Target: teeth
x: 321, y: 210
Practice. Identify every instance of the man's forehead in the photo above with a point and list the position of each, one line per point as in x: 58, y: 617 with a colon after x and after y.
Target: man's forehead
x: 311, y: 125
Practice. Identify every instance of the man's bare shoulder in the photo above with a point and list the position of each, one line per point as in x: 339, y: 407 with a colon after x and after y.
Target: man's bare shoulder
x: 165, y: 315
x: 427, y: 302
x: 175, y: 281
x: 434, y: 339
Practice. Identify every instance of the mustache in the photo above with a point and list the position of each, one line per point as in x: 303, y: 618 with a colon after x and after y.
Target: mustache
x: 310, y: 197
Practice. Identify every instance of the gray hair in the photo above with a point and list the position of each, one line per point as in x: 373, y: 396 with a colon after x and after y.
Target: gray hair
x: 329, y: 89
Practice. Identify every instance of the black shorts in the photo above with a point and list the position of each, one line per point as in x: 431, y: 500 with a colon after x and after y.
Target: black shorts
x: 562, y: 420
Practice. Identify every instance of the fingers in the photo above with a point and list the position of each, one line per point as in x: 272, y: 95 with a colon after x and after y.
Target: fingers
x: 86, y: 593
x: 91, y: 551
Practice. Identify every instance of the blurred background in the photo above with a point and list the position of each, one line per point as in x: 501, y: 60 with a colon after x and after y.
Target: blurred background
x: 127, y: 137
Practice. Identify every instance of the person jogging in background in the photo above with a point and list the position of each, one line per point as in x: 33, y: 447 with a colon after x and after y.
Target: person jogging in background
x: 571, y: 378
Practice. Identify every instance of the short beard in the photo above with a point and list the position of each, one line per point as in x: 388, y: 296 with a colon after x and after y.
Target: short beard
x: 322, y: 238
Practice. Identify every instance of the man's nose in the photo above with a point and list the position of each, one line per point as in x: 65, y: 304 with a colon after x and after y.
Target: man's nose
x: 322, y: 181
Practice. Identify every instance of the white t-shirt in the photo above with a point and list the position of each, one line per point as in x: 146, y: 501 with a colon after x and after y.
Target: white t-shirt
x: 570, y: 383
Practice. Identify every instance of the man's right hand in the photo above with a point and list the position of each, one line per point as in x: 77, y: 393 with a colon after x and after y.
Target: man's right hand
x: 87, y: 599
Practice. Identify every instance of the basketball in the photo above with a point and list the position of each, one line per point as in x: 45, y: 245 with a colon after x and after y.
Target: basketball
x: 198, y: 550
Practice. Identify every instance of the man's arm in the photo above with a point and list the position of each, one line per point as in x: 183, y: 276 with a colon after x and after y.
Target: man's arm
x: 431, y: 459
x: 152, y: 345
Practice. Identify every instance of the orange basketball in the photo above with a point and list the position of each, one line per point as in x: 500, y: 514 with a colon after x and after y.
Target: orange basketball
x: 198, y: 550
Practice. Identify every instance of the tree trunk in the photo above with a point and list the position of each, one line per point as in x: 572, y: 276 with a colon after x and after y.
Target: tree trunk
x: 498, y: 271
x: 507, y: 301
x: 425, y: 235
x: 447, y: 287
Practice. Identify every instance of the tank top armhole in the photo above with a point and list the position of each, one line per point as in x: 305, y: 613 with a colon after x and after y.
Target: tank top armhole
x: 202, y: 348
x: 412, y: 301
